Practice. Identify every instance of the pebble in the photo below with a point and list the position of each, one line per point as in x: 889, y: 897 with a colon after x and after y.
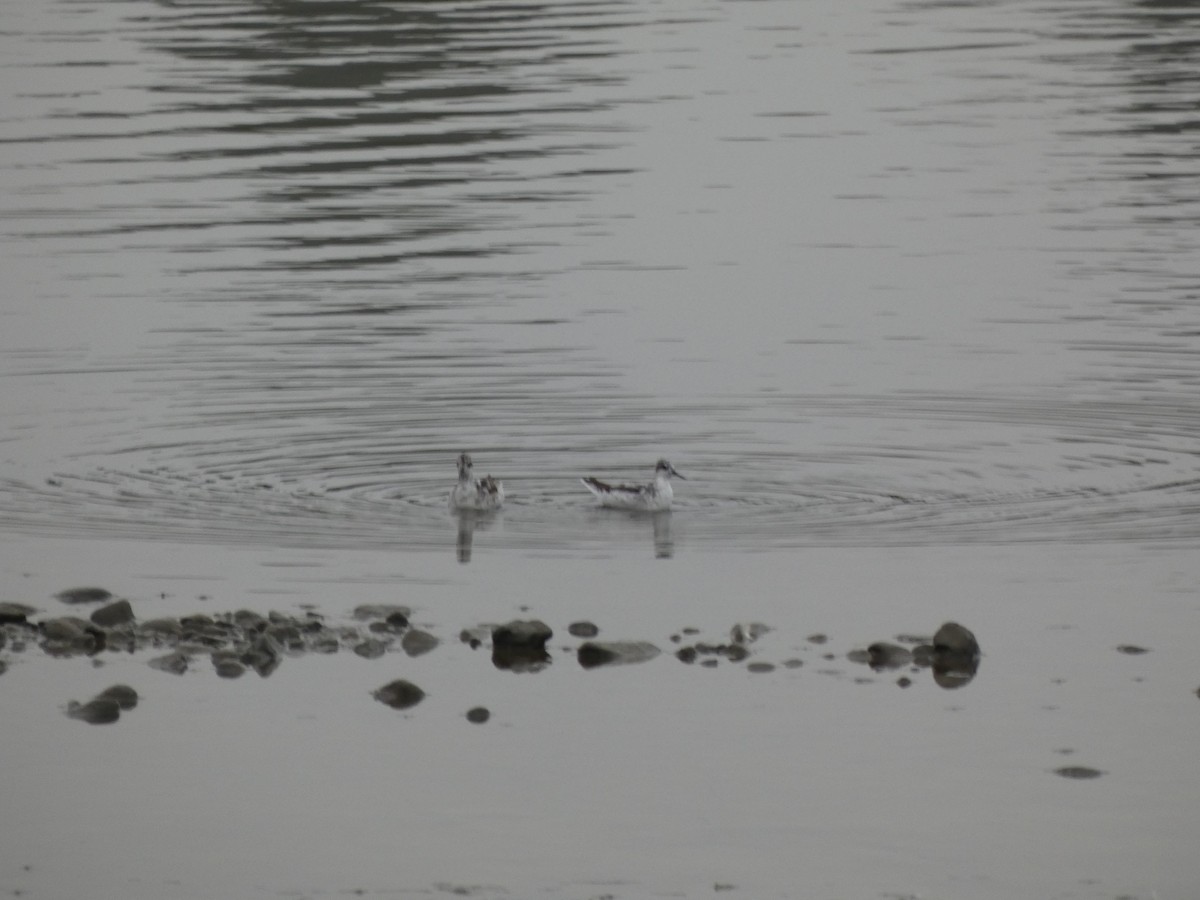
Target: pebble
x: 582, y: 630
x: 399, y: 694
x: 417, y: 643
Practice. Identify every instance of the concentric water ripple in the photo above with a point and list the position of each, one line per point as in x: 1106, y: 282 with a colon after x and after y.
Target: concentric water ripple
x: 1055, y: 471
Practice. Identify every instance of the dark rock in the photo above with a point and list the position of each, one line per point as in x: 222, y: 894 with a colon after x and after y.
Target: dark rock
x: 417, y: 642
x: 114, y: 614
x: 952, y: 638
x: 522, y: 633
x: 3, y: 667
x: 760, y: 667
x: 478, y: 715
x: 686, y: 654
x: 370, y: 611
x: 399, y: 694
x: 793, y: 663
x: 176, y: 663
x: 614, y: 653
x: 371, y: 648
x: 125, y: 696
x: 955, y: 656
x: 84, y: 595
x: 736, y: 652
x: 520, y: 646
x: 1080, y: 772
x: 582, y: 630
x: 817, y: 638
x: 1131, y: 649
x: 475, y: 637
x: 95, y: 712
x: 198, y: 623
x: 882, y: 655
x: 15, y: 613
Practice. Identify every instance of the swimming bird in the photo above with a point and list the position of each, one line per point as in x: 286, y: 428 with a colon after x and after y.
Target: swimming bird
x: 651, y: 497
x: 475, y: 493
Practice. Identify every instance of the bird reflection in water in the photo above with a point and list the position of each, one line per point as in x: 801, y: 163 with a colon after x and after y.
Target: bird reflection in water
x: 468, y: 521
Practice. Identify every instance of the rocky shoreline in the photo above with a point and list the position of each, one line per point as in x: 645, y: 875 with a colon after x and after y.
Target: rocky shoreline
x: 241, y: 641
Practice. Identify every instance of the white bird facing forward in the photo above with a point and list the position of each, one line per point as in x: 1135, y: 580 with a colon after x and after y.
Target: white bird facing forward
x: 475, y: 493
x: 651, y: 497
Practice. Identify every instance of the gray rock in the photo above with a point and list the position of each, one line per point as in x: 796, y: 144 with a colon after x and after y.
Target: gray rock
x: 371, y: 648
x: 478, y: 715
x: 229, y: 668
x: 114, y: 614
x: 399, y: 694
x: 65, y: 629
x: 69, y: 636
x: 262, y: 656
x: 167, y: 628
x: 176, y: 663
x: 84, y: 595
x: 417, y: 643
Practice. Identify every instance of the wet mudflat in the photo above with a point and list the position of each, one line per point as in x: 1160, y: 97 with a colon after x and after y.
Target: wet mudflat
x: 794, y: 767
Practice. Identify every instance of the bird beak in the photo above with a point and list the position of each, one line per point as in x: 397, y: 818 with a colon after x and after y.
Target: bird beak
x: 676, y: 474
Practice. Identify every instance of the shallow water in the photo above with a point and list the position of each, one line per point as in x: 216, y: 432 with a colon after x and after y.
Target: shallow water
x: 908, y: 291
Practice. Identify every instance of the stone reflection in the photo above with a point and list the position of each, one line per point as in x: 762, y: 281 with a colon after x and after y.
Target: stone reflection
x: 952, y: 656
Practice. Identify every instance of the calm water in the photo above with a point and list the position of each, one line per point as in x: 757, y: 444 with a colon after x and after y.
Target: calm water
x: 913, y: 287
